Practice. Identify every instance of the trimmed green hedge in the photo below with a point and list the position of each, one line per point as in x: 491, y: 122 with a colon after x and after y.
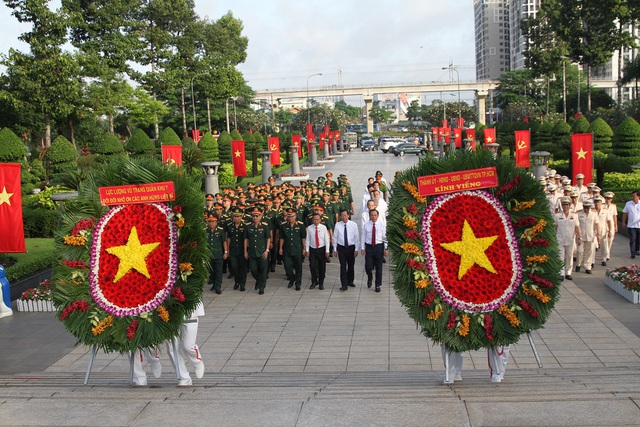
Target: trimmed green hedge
x: 140, y: 144
x: 12, y: 150
x: 39, y: 222
x: 27, y: 268
x: 62, y: 155
x: 168, y: 137
x: 626, y: 141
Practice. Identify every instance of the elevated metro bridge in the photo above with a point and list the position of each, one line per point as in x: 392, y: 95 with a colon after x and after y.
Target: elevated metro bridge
x: 480, y: 89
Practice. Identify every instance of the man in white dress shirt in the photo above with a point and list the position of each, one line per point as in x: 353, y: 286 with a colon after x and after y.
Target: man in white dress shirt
x: 374, y: 248
x: 346, y: 240
x: 317, y: 248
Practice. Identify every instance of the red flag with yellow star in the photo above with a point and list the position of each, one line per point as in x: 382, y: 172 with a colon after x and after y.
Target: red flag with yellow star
x: 490, y: 135
x: 471, y: 134
x: 274, y: 147
x: 523, y: 147
x: 457, y: 134
x: 582, y: 156
x: 295, y: 140
x: 239, y: 162
x: 11, y: 230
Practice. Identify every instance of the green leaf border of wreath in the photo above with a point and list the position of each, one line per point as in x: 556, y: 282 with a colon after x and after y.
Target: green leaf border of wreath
x: 541, y: 280
x: 72, y: 284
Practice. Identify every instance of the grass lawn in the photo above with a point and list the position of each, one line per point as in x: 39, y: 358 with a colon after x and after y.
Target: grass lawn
x: 36, y: 248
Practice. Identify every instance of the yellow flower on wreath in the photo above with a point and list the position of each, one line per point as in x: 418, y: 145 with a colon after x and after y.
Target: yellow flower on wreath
x: 433, y: 315
x: 180, y: 222
x: 536, y: 259
x: 511, y: 317
x: 524, y: 205
x: 75, y: 240
x: 102, y: 325
x: 422, y: 283
x: 536, y: 293
x: 464, y: 327
x: 163, y: 314
x: 411, y: 248
x: 414, y: 192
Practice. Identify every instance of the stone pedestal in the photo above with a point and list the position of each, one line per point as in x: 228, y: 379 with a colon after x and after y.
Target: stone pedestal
x: 334, y: 146
x: 266, y: 165
x: 325, y: 153
x: 211, y: 177
x: 313, y: 156
x: 539, y: 160
x: 295, y: 161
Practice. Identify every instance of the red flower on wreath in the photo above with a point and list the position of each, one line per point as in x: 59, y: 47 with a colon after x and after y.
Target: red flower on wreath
x: 472, y: 251
x: 133, y: 259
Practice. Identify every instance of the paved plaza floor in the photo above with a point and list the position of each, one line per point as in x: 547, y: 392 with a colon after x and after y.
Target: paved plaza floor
x: 327, y: 357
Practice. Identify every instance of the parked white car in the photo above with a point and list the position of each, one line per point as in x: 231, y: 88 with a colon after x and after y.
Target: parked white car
x: 388, y: 143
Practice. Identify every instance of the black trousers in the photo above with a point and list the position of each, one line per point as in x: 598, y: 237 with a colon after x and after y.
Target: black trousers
x: 634, y: 240
x: 318, y: 264
x: 373, y: 260
x: 346, y: 255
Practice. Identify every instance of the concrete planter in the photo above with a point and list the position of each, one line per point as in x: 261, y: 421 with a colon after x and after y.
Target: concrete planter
x: 35, y: 305
x: 631, y: 296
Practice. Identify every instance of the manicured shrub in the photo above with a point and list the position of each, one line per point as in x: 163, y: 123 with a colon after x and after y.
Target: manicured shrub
x: 140, y: 144
x: 61, y: 155
x: 12, y: 150
x: 39, y: 222
x: 580, y: 126
x: 626, y: 141
x: 602, y: 136
x: 168, y: 137
x: 108, y: 145
x: 560, y: 135
x: 209, y: 147
x: 224, y: 147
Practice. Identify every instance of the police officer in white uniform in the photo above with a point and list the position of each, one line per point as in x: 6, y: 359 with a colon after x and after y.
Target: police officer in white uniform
x: 567, y: 231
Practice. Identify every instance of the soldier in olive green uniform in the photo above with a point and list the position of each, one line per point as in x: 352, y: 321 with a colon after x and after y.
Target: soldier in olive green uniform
x: 257, y: 239
x: 235, y: 243
x: 291, y: 247
x: 217, y: 239
x: 269, y: 217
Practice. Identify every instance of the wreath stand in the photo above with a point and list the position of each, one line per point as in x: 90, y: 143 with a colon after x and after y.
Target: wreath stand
x: 132, y: 354
x: 495, y: 362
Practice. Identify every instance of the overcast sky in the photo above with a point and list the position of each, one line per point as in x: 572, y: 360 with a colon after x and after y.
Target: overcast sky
x: 350, y: 42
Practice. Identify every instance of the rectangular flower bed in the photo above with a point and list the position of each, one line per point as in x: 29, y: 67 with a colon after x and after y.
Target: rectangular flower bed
x: 619, y: 288
x: 39, y: 305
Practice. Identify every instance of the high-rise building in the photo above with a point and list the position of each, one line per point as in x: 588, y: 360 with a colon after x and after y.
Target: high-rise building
x: 492, y: 38
x: 519, y: 10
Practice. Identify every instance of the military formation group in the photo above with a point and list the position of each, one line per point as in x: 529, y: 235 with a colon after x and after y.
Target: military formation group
x: 253, y: 229
x: 586, y: 221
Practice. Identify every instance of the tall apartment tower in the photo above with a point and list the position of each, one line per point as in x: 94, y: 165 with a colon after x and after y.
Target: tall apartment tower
x: 492, y: 38
x: 500, y: 45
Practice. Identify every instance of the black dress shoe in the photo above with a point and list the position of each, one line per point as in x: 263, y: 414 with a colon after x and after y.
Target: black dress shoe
x: 297, y: 288
x: 213, y: 288
x: 353, y: 285
x: 261, y: 292
x: 568, y: 277
x: 344, y: 288
x: 577, y: 268
x: 377, y: 288
x: 328, y: 260
x: 384, y: 260
x: 321, y: 287
x: 272, y: 269
x: 256, y: 286
x: 633, y: 256
x: 369, y: 283
x: 290, y: 283
x: 604, y: 263
x: 230, y: 276
x: 236, y: 286
x: 588, y: 271
x: 218, y: 291
x: 313, y: 285
x: 241, y: 288
x: 224, y: 270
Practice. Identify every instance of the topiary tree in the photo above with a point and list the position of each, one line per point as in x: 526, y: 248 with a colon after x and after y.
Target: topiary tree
x: 560, y: 135
x: 61, y: 155
x: 235, y: 135
x: 602, y: 135
x: 12, y: 150
x: 168, y: 137
x: 580, y: 126
x: 140, y: 144
x: 37, y: 169
x: 209, y: 147
x: 542, y: 139
x: 480, y: 131
x: 626, y: 141
x: 250, y: 147
x: 224, y: 147
x: 188, y: 142
x: 108, y: 145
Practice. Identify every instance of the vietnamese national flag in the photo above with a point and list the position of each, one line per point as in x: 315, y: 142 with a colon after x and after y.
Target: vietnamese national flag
x: 445, y: 123
x: 457, y: 134
x: 239, y: 162
x: 582, y: 156
x: 523, y: 148
x: 322, y: 138
x: 447, y: 134
x: 471, y: 134
x: 460, y: 122
x: 326, y: 130
x: 274, y: 147
x: 12, y: 229
x: 489, y: 135
x: 295, y: 141
x: 172, y: 154
x: 309, y: 128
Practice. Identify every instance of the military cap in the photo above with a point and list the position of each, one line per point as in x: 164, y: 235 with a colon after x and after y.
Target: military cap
x: 609, y: 195
x: 237, y: 211
x: 580, y: 176
x: 565, y: 200
x: 290, y: 212
x: 209, y: 197
x: 587, y: 204
x: 212, y: 218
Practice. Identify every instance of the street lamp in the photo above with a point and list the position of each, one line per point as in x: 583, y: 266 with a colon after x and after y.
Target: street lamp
x: 193, y: 101
x: 452, y: 68
x: 308, y: 109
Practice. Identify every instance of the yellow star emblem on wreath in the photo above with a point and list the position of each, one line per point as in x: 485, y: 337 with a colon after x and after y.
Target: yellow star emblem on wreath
x: 5, y: 197
x: 133, y: 255
x: 238, y: 153
x: 581, y: 154
x: 471, y: 250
